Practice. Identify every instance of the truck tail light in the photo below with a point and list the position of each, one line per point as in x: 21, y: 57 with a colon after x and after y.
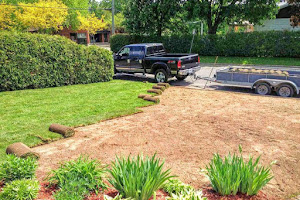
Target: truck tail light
x: 198, y: 59
x: 179, y: 64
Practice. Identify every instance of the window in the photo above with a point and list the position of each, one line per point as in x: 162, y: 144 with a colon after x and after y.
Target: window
x: 136, y: 52
x: 81, y: 35
x: 124, y: 51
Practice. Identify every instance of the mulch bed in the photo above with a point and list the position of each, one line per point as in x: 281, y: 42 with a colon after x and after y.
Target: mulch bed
x: 212, y: 195
x: 46, y: 192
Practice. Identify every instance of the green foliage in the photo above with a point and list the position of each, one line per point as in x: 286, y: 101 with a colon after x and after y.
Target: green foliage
x: 233, y: 175
x: 149, y: 17
x: 118, y: 197
x: 255, y: 44
x: 24, y: 189
x: 216, y: 13
x: 77, y: 178
x: 138, y: 178
x: 14, y: 168
x: 38, y: 61
x: 181, y: 191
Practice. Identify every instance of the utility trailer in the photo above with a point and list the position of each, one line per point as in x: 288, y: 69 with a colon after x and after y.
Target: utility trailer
x: 285, y: 83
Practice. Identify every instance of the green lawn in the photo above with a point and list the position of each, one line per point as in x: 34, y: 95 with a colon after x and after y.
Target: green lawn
x: 252, y: 60
x: 26, y: 115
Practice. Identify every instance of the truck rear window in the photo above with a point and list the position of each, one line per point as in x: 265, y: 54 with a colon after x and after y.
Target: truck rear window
x: 155, y: 50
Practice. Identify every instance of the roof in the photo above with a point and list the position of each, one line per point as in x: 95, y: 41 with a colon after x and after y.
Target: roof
x: 144, y: 45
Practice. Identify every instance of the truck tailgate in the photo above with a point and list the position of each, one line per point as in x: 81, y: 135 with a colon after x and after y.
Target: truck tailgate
x: 188, y: 62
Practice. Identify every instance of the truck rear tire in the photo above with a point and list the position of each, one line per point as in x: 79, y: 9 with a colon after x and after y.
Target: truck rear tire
x: 181, y: 78
x: 161, y: 76
x: 263, y: 89
x: 285, y: 90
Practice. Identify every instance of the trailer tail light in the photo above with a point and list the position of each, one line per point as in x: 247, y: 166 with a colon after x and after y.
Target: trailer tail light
x: 179, y: 64
x: 198, y: 59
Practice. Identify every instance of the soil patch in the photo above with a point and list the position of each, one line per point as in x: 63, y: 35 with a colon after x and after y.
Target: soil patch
x: 187, y: 128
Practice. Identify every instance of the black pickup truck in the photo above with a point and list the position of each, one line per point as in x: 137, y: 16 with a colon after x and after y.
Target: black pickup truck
x: 153, y: 59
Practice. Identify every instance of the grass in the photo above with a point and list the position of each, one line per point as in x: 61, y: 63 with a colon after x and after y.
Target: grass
x: 26, y: 115
x: 252, y: 60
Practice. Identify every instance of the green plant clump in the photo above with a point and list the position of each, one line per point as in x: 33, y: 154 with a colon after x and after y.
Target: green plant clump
x: 24, y: 189
x: 254, y: 44
x: 138, y: 178
x: 78, y: 178
x: 181, y: 191
x: 233, y: 175
x: 29, y: 61
x: 14, y: 168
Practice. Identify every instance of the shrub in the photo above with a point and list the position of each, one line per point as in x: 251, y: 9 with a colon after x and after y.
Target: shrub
x: 233, y: 175
x: 181, y: 191
x: 24, y: 189
x: 255, y: 44
x: 14, y: 168
x: 77, y: 178
x: 138, y: 178
x: 29, y: 61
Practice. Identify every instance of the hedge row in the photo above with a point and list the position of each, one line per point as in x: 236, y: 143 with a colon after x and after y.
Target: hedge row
x: 255, y: 44
x: 38, y: 61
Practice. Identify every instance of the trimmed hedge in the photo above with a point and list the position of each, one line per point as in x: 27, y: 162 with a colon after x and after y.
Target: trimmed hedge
x: 254, y: 44
x: 29, y: 61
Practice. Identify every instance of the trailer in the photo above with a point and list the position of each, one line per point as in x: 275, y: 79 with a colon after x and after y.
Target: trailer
x: 285, y: 83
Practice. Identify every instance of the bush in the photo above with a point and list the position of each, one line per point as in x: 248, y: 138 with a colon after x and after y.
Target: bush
x: 181, y: 191
x: 29, y: 61
x: 255, y: 44
x: 138, y: 178
x: 234, y: 175
x: 14, y: 168
x: 24, y: 189
x: 77, y: 178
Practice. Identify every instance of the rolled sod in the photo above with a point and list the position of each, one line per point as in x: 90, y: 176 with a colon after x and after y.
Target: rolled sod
x: 142, y: 96
x: 21, y: 150
x: 159, y: 92
x: 162, y: 88
x: 153, y: 99
x: 63, y: 130
x: 166, y: 85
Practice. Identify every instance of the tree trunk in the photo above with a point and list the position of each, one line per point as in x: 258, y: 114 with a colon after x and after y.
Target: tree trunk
x: 213, y: 29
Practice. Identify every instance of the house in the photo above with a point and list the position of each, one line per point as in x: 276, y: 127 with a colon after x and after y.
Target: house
x: 80, y: 36
x: 282, y: 21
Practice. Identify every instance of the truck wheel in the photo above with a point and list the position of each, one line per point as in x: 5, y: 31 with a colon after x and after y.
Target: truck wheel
x: 263, y: 89
x: 161, y: 76
x: 181, y: 78
x: 285, y: 90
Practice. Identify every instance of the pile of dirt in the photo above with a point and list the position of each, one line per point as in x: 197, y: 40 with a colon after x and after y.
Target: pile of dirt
x: 187, y: 128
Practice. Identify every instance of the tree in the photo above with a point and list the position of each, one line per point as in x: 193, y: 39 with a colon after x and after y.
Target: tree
x: 217, y: 12
x: 44, y: 15
x: 149, y: 16
x: 295, y: 18
x: 7, y: 19
x: 91, y: 23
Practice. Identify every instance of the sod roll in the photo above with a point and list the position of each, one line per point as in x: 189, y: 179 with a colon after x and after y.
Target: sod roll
x: 142, y: 96
x: 21, y: 150
x: 162, y: 88
x: 63, y: 130
x: 153, y: 99
x: 159, y: 92
x: 166, y: 85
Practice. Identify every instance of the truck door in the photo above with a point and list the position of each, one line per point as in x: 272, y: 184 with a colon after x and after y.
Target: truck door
x: 122, y: 61
x: 136, y: 57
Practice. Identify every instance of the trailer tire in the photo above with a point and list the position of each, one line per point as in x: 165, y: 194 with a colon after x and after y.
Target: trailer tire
x: 263, y: 88
x: 161, y: 76
x: 285, y: 90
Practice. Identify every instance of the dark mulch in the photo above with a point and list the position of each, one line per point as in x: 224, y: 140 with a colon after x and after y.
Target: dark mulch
x: 212, y: 195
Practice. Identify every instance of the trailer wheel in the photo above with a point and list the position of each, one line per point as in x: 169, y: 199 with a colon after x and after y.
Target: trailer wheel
x: 161, y: 76
x: 263, y: 89
x: 285, y: 90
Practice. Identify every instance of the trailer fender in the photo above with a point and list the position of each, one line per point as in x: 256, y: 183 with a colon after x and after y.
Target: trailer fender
x: 276, y: 83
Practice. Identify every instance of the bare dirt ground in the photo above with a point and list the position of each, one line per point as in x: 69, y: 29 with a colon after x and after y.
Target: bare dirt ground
x: 187, y: 127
